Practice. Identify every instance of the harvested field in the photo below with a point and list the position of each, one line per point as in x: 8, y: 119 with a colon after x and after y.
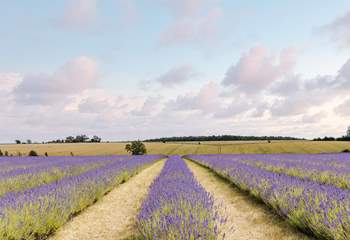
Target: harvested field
x: 180, y: 148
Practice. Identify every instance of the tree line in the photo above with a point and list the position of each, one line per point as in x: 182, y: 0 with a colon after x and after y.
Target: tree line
x: 343, y: 138
x: 82, y: 138
x: 220, y: 138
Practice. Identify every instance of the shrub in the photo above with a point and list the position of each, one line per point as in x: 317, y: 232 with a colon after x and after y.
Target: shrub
x: 136, y: 148
x: 33, y: 153
x: 1, y: 154
x: 6, y: 154
x: 346, y: 151
x: 46, y: 155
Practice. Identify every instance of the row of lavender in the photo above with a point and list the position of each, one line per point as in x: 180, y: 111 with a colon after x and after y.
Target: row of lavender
x: 178, y: 207
x: 18, y: 174
x: 323, y: 209
x: 331, y: 169
x: 48, y: 202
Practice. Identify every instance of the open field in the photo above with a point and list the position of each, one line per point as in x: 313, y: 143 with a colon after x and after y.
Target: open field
x: 310, y: 191
x: 247, y: 218
x: 39, y: 194
x: 108, y: 219
x: 182, y: 148
x: 143, y: 197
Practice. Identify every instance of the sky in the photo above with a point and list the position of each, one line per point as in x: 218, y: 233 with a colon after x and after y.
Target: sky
x: 138, y: 69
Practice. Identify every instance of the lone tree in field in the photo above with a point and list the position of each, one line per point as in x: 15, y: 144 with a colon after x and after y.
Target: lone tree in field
x: 136, y: 148
x: 33, y: 153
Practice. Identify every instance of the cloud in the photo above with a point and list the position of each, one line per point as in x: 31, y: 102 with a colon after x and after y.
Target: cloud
x: 193, y: 21
x: 72, y: 78
x: 128, y: 10
x: 343, y: 109
x: 237, y: 106
x: 151, y: 106
x: 343, y: 77
x: 79, y: 14
x: 339, y: 30
x: 176, y: 76
x: 294, y: 105
x: 314, y: 118
x: 91, y: 105
x: 8, y: 81
x: 258, y: 68
x: 206, y: 100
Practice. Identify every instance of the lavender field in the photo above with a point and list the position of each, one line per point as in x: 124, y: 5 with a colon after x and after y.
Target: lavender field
x: 38, y: 194
x: 310, y: 191
x: 178, y: 207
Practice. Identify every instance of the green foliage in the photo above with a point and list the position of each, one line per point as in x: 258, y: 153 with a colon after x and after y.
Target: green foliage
x: 220, y: 138
x: 33, y: 153
x: 136, y: 148
x: 95, y: 139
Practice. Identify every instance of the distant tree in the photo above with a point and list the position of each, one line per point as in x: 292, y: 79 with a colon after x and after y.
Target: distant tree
x: 18, y: 141
x: 69, y: 139
x: 33, y: 153
x: 136, y: 148
x: 81, y: 138
x: 46, y: 155
x: 96, y: 139
x: 6, y: 154
x: 29, y: 141
x: 1, y: 153
x: 128, y: 147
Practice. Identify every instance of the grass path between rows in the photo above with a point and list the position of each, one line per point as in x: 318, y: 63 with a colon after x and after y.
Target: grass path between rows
x: 114, y: 216
x: 248, y: 218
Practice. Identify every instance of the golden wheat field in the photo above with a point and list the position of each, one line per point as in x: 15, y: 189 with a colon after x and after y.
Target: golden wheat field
x: 180, y: 148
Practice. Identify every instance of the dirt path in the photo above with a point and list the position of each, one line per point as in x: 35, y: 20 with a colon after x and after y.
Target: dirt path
x: 249, y: 219
x: 113, y: 217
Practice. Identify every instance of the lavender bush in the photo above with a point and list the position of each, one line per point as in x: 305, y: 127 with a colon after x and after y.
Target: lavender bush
x: 36, y: 212
x: 322, y: 209
x: 34, y: 173
x: 178, y: 207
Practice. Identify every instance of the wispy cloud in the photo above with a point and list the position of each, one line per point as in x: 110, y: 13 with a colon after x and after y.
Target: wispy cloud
x: 72, y: 78
x: 339, y: 30
x: 79, y: 15
x: 193, y: 21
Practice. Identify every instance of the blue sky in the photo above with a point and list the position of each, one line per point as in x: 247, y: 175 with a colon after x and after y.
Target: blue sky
x: 174, y: 67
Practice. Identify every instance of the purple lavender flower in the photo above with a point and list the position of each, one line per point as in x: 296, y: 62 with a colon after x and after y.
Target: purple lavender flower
x: 36, y: 212
x: 323, y: 209
x: 178, y: 207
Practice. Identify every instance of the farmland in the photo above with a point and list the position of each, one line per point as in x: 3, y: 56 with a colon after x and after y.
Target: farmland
x: 180, y: 148
x: 310, y: 191
x: 33, y: 204
x: 194, y: 196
